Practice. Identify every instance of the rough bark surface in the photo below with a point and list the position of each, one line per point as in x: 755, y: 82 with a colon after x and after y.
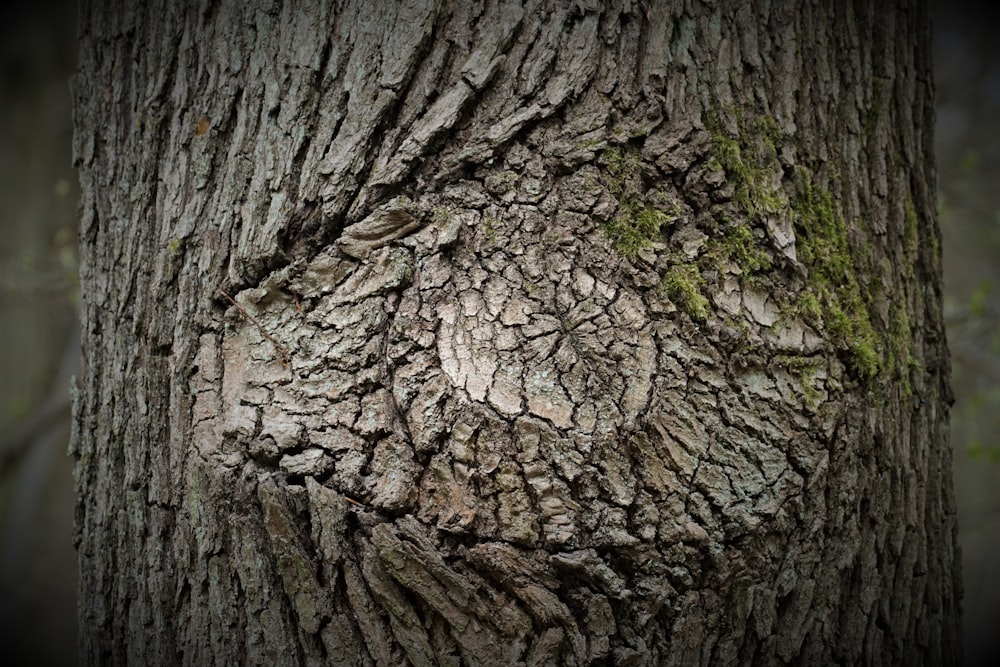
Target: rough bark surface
x: 564, y: 333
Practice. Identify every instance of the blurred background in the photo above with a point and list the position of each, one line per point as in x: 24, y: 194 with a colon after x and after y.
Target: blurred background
x: 39, y: 344
x: 967, y: 142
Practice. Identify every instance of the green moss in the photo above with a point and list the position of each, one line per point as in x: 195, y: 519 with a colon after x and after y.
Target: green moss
x: 751, y: 164
x: 490, y: 225
x: 633, y: 230
x: 740, y: 247
x: 623, y: 165
x: 808, y: 307
x: 935, y: 250
x: 174, y: 246
x: 866, y: 360
x: 899, y: 348
x: 441, y: 214
x: 637, y: 225
x: 682, y: 284
x: 805, y: 368
x: 834, y: 301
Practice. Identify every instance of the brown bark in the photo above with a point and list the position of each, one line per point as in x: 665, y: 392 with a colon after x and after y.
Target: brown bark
x: 556, y: 334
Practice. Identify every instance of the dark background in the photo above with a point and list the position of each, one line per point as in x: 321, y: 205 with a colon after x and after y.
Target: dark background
x: 39, y: 292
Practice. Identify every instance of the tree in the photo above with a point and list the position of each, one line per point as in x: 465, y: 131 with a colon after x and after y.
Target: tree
x: 568, y: 333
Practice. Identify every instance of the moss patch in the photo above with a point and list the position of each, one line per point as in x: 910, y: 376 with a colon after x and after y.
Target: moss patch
x: 637, y: 225
x: 635, y: 229
x: 899, y: 354
x: 682, y: 284
x: 834, y: 299
x: 490, y: 225
x: 751, y: 164
x: 174, y: 245
x: 741, y: 248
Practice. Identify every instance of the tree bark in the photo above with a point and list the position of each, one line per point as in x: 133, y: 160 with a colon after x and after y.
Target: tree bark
x: 564, y: 333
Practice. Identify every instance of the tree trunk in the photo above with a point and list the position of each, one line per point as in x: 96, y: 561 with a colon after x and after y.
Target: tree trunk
x: 573, y: 333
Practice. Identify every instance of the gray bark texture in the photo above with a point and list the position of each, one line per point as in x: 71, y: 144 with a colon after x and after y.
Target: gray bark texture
x: 542, y: 333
